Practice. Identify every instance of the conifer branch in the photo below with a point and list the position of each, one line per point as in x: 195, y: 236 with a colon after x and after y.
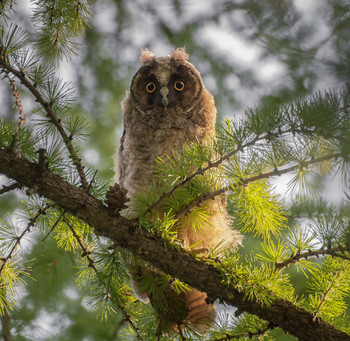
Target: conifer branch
x: 226, y: 157
x: 54, y: 225
x: 20, y: 115
x: 294, y: 258
x: 50, y: 114
x: 244, y: 182
x: 326, y: 293
x: 58, y: 23
x: 52, y: 11
x: 5, y: 5
x: 250, y: 335
x: 77, y: 8
x: 86, y: 253
x: 31, y: 223
x: 125, y: 233
x: 91, y: 264
x: 9, y: 188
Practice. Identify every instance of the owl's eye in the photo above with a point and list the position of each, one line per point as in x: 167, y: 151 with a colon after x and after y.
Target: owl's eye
x: 179, y: 85
x: 150, y: 87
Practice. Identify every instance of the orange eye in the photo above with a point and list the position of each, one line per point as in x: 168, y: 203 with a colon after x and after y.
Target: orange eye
x: 179, y: 85
x: 150, y: 87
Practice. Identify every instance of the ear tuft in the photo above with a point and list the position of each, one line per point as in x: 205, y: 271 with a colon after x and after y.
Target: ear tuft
x: 147, y: 56
x: 180, y: 54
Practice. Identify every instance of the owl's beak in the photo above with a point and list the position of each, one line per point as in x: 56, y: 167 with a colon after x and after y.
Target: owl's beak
x: 164, y: 92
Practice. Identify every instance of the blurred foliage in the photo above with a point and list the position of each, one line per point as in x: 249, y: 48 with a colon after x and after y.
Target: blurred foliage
x: 53, y: 308
x: 249, y: 53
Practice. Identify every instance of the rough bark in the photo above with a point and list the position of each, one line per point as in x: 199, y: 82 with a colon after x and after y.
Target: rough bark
x: 126, y: 234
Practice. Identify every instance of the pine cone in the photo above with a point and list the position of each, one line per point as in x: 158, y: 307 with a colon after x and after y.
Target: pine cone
x: 116, y: 199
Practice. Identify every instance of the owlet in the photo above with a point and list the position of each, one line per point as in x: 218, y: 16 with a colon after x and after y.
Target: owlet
x: 167, y: 107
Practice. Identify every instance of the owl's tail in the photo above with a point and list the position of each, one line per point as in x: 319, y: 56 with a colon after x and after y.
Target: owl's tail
x: 190, y: 308
x: 201, y: 315
x: 174, y: 309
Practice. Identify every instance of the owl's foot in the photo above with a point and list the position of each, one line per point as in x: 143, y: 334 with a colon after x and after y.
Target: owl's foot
x: 116, y: 199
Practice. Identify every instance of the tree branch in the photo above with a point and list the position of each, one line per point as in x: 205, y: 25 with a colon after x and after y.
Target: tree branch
x: 329, y: 289
x: 222, y: 159
x: 9, y: 188
x: 294, y: 258
x: 20, y: 114
x: 180, y: 264
x: 20, y: 237
x: 49, y: 112
x: 243, y: 182
x: 86, y: 253
x: 250, y: 335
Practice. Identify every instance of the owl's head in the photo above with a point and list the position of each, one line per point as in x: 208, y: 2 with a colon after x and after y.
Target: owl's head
x: 165, y: 83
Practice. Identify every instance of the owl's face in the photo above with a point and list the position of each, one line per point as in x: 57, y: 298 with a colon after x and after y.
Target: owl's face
x: 164, y: 84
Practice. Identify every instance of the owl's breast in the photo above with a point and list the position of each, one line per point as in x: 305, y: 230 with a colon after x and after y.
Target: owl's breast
x: 139, y: 151
x: 160, y: 125
x: 158, y: 133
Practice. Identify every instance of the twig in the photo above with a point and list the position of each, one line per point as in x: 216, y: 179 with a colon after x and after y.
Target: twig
x: 249, y: 335
x: 50, y: 113
x: 9, y: 188
x: 91, y: 182
x: 244, y: 182
x: 86, y: 253
x: 52, y: 11
x: 221, y: 160
x: 19, y: 238
x: 323, y: 300
x: 294, y: 258
x: 54, y: 225
x: 77, y: 10
x: 42, y: 162
x: 127, y: 318
x: 20, y: 115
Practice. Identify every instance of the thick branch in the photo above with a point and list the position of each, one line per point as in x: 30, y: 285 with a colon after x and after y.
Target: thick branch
x: 125, y: 233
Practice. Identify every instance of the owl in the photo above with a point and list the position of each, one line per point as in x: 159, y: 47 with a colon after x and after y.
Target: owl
x: 168, y: 107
